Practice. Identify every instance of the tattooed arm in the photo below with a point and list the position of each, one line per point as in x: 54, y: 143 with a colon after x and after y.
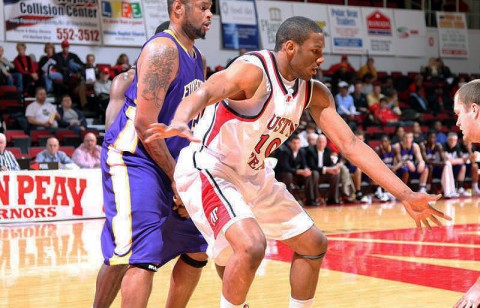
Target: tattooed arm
x: 156, y: 68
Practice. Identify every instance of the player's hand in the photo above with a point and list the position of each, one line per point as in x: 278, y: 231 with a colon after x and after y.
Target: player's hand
x: 471, y: 299
x: 419, y: 208
x: 162, y: 131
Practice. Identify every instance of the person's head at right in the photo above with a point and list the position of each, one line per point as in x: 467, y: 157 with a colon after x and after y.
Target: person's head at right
x: 40, y: 95
x: 52, y: 145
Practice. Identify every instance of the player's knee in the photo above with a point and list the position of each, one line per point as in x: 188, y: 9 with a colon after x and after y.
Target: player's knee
x: 320, y: 243
x: 253, y: 250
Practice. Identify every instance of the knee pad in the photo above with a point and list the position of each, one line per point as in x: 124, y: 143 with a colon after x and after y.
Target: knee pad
x: 193, y: 262
x: 319, y: 257
x: 147, y: 266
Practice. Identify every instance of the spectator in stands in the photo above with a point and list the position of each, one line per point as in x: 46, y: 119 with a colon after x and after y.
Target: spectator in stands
x: 416, y: 84
x: 342, y: 71
x: 388, y: 85
x: 345, y: 106
x: 68, y: 63
x: 310, y: 129
x: 417, y: 101
x: 319, y: 160
x: 413, y: 163
x: 102, y: 90
x: 439, y: 166
x: 417, y: 133
x: 312, y: 140
x: 441, y: 137
x: 47, y: 65
x: 444, y: 72
x: 438, y: 101
x: 7, y: 159
x: 375, y: 96
x: 383, y: 114
x: 89, y: 76
x: 292, y: 170
x: 359, y: 98
x: 430, y: 71
x: 87, y: 155
x: 367, y: 87
x: 456, y: 157
x: 42, y: 114
x: 52, y: 154
x: 122, y: 64
x: 398, y: 134
x: 368, y: 67
x: 26, y: 66
x: 71, y: 118
x: 392, y: 101
x: 9, y: 76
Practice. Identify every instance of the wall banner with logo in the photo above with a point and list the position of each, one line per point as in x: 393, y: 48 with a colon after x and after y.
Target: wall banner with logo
x: 271, y: 14
x: 347, y: 32
x: 29, y: 196
x: 239, y: 24
x: 155, y: 12
x: 452, y: 35
x: 52, y: 21
x: 410, y: 33
x: 122, y: 23
x: 379, y: 29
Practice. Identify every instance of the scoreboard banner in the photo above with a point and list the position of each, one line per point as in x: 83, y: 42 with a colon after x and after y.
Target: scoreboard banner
x: 122, y: 23
x: 28, y: 196
x: 52, y: 21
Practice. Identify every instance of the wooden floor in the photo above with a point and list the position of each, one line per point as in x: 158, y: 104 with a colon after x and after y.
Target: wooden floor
x: 376, y: 258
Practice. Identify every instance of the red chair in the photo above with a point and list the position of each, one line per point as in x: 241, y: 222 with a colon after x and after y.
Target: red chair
x: 33, y: 152
x: 14, y: 132
x: 37, y: 134
x: 374, y: 143
x: 16, y: 152
x: 61, y: 134
x: 68, y: 150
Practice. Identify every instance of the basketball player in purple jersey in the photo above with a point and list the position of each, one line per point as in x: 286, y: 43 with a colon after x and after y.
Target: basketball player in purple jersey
x: 253, y: 106
x: 142, y: 232
x: 467, y: 108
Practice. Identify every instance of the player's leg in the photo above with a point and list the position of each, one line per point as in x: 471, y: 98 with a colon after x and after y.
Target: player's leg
x: 184, y: 279
x: 136, y: 287
x: 423, y: 171
x: 111, y: 276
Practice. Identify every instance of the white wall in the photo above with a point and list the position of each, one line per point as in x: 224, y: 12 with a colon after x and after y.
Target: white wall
x: 211, y: 47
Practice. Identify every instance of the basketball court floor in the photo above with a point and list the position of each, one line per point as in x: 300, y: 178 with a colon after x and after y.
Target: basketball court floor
x: 376, y: 258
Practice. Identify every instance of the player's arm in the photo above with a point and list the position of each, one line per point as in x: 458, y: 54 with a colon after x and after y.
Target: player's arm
x: 240, y: 80
x: 119, y: 85
x: 157, y: 68
x: 322, y: 108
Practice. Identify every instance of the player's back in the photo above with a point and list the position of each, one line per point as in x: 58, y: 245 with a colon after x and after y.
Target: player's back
x: 243, y: 141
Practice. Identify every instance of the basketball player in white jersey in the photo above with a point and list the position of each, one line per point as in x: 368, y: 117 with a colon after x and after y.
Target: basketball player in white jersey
x: 467, y: 108
x: 261, y: 97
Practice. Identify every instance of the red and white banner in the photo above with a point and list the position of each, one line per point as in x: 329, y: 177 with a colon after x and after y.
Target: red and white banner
x: 29, y: 196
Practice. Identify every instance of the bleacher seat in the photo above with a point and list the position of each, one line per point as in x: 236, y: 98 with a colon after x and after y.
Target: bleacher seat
x: 14, y: 132
x: 22, y: 142
x: 16, y: 152
x: 68, y: 150
x: 33, y: 151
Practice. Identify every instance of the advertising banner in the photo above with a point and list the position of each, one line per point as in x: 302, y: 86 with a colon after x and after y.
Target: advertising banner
x: 52, y: 21
x: 122, y: 23
x: 155, y: 12
x: 318, y: 13
x: 379, y: 31
x: 271, y: 14
x: 452, y: 35
x: 239, y: 24
x: 410, y: 33
x: 347, y: 32
x: 28, y: 196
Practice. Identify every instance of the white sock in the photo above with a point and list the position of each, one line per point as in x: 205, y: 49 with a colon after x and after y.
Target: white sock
x: 224, y: 303
x: 474, y: 186
x: 295, y: 303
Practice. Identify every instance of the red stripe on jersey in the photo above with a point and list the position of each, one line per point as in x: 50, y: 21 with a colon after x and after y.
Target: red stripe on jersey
x: 222, y: 116
x: 277, y: 76
x: 214, y: 209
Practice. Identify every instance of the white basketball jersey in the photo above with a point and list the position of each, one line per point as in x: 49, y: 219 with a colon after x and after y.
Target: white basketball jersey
x: 243, y: 141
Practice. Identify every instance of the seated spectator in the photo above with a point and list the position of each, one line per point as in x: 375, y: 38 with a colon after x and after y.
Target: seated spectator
x: 375, y: 96
x: 367, y: 85
x: 455, y: 155
x: 9, y: 76
x: 441, y: 137
x: 324, y: 170
x: 417, y: 84
x: 102, y: 90
x: 68, y: 63
x: 292, y: 169
x: 388, y: 85
x: 342, y: 71
x: 71, y: 118
x: 359, y: 98
x: 398, y: 134
x: 7, y: 159
x: 430, y: 71
x: 48, y: 71
x: 310, y: 129
x: 87, y: 155
x: 345, y: 105
x: 418, y: 101
x: 27, y: 67
x: 89, y: 76
x: 413, y: 163
x: 384, y: 115
x: 390, y: 157
x: 41, y: 114
x: 439, y: 166
x: 444, y: 72
x: 439, y: 102
x: 122, y: 64
x: 52, y: 155
x: 368, y: 67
